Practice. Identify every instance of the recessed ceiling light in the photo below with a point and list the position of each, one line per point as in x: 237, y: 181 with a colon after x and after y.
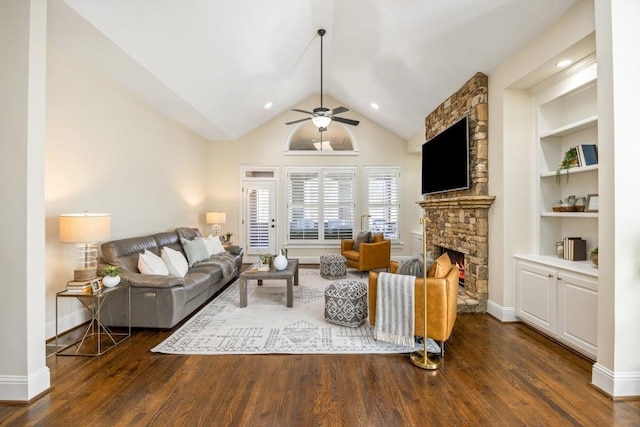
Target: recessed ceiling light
x: 375, y: 106
x: 268, y: 105
x: 563, y: 63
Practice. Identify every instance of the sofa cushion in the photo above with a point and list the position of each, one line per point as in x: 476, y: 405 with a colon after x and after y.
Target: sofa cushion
x: 195, y: 249
x: 150, y: 263
x: 176, y: 262
x: 214, y: 245
x: 441, y: 267
x: 195, y: 283
x: 362, y: 237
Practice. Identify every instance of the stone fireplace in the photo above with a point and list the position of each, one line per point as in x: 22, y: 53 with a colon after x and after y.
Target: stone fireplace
x: 458, y: 220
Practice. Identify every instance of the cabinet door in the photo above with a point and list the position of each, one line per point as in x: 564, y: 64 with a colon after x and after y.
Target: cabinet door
x: 578, y: 312
x: 536, y: 296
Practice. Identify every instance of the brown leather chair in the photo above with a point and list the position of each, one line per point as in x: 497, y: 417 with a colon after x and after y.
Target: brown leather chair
x: 370, y: 256
x: 442, y: 299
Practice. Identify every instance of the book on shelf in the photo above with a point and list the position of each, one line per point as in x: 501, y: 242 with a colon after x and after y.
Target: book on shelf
x: 587, y: 154
x: 575, y: 249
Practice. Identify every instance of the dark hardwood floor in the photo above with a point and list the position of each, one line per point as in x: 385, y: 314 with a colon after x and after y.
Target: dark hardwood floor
x: 493, y: 374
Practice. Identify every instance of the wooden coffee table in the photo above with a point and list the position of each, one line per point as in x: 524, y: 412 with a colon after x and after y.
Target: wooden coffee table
x: 290, y: 274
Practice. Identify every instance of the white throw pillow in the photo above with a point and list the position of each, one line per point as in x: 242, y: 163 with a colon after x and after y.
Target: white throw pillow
x: 195, y: 249
x: 150, y: 263
x: 214, y: 245
x: 175, y: 261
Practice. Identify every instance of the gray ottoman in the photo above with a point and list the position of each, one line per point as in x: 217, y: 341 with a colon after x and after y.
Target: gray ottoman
x: 345, y: 303
x: 333, y: 266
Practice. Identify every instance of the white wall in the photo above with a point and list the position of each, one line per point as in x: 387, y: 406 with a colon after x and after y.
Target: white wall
x: 265, y: 147
x: 107, y: 151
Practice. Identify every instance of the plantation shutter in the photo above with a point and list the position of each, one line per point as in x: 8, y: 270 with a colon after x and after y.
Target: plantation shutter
x: 383, y: 201
x: 338, y: 203
x: 258, y: 229
x: 304, y: 197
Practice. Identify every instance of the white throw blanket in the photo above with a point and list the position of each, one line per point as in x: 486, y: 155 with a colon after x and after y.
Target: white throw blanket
x: 395, y: 309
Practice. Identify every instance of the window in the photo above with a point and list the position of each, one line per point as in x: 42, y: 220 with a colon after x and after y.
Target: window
x: 307, y: 140
x: 320, y: 204
x: 382, y: 200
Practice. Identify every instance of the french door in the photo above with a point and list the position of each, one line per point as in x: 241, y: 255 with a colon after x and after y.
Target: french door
x: 259, y: 217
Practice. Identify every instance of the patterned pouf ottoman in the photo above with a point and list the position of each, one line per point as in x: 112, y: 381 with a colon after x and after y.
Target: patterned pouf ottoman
x: 333, y: 266
x: 345, y: 303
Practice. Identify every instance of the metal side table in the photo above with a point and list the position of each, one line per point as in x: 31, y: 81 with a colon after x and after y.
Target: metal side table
x: 97, y: 338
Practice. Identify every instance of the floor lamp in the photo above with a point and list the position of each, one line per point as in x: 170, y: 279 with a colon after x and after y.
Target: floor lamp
x: 422, y: 358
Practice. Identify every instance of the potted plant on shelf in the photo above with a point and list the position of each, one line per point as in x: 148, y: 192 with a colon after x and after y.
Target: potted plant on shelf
x: 227, y: 237
x: 569, y: 161
x: 111, y: 276
x: 594, y: 256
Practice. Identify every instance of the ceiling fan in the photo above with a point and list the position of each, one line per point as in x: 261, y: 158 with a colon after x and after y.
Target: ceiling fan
x: 321, y: 116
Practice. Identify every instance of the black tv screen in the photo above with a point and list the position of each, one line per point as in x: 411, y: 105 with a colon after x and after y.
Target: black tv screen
x: 445, y: 160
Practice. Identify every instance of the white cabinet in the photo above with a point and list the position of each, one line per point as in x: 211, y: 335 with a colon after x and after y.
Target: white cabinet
x: 559, y: 298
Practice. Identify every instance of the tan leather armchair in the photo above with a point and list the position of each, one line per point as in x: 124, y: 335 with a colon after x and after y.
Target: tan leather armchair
x: 370, y: 256
x: 442, y: 299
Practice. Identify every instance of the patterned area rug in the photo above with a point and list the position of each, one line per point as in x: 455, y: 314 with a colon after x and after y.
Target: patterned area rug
x: 267, y: 326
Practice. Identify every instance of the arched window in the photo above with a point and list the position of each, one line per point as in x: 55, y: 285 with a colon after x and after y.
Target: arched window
x: 336, y: 140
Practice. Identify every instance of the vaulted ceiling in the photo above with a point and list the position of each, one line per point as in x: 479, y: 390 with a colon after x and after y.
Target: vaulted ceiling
x: 213, y: 65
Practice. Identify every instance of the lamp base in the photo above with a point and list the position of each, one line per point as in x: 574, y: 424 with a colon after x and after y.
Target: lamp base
x: 84, y: 274
x: 431, y: 361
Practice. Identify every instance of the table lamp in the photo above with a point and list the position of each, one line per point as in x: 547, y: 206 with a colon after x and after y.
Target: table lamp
x: 215, y: 219
x: 85, y: 230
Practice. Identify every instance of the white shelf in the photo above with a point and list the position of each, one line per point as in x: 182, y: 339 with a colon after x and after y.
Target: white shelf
x: 569, y: 214
x: 577, y: 126
x: 563, y: 173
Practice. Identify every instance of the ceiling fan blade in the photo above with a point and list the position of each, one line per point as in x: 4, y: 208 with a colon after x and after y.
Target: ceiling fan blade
x: 298, y: 121
x: 345, y: 121
x: 301, y: 111
x: 339, y: 110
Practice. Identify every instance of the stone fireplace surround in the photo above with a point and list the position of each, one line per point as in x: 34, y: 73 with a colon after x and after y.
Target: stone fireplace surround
x: 459, y: 219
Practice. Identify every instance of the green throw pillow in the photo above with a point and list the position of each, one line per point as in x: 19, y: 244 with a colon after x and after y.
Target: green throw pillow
x: 196, y: 250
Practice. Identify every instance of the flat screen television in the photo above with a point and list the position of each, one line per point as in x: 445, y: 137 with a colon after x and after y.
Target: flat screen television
x: 445, y: 160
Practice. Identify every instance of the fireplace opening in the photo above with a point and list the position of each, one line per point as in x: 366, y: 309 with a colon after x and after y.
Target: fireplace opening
x: 456, y: 258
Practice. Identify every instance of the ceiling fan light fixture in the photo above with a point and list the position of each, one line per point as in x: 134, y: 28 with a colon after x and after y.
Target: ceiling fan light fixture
x: 321, y: 121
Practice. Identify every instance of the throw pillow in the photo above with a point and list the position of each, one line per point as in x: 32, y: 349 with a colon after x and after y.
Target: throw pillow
x: 440, y: 267
x: 363, y: 237
x: 150, y: 263
x: 176, y: 262
x: 214, y: 245
x: 413, y: 267
x: 195, y: 249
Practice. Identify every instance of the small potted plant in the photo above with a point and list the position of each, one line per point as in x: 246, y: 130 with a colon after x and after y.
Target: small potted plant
x: 569, y: 161
x: 111, y: 276
x: 594, y: 256
x: 227, y: 237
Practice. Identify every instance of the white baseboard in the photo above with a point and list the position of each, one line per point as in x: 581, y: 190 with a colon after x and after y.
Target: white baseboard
x: 615, y: 384
x: 17, y: 388
x: 67, y: 321
x: 504, y: 314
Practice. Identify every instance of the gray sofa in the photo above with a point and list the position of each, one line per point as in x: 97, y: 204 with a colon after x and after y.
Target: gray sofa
x: 163, y: 301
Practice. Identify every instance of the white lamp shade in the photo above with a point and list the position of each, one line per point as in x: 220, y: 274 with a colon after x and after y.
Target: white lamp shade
x: 216, y: 218
x: 84, y: 228
x: 321, y: 121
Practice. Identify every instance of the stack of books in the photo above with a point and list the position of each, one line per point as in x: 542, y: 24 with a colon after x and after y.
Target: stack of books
x: 575, y: 249
x: 83, y: 287
x: 587, y: 154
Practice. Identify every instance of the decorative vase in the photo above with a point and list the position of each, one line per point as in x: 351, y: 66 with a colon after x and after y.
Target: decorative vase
x: 560, y: 249
x: 110, y: 281
x: 280, y: 262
